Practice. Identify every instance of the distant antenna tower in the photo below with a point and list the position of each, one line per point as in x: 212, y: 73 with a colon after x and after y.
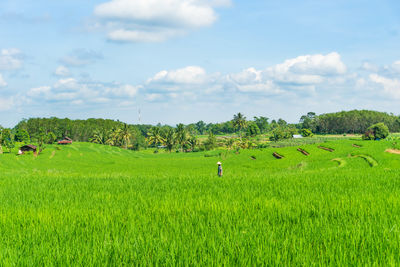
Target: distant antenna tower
x: 140, y: 117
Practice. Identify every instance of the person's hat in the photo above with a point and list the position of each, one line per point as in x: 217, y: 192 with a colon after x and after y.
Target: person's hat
x: 219, y: 163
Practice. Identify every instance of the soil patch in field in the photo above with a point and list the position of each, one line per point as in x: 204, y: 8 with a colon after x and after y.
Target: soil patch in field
x: 303, y: 151
x: 357, y: 146
x: 276, y: 155
x: 393, y: 151
x: 326, y: 148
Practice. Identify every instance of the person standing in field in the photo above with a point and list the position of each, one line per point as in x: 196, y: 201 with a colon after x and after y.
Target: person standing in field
x: 219, y: 169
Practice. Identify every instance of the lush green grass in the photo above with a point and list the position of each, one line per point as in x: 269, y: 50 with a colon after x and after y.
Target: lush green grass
x: 88, y: 204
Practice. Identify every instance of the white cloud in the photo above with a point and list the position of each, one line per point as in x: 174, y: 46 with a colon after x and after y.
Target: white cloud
x: 250, y: 75
x: 142, y: 36
x: 155, y: 20
x: 309, y: 69
x: 2, y: 82
x: 79, y: 92
x: 11, y: 59
x: 390, y: 86
x: 67, y: 84
x: 62, y: 71
x: 304, y: 75
x: 188, y: 75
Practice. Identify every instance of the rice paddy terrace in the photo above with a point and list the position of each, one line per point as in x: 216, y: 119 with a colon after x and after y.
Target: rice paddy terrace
x: 330, y: 203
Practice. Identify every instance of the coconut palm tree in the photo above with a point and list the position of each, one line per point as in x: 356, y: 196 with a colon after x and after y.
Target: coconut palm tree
x: 239, y: 122
x: 155, y: 136
x: 98, y: 137
x: 181, y: 135
x: 169, y: 139
x: 114, y: 137
x: 193, y: 142
x: 125, y: 134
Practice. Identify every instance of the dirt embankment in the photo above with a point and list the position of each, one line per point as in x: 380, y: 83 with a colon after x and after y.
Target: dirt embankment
x: 303, y: 151
x: 276, y: 155
x: 326, y: 148
x: 393, y: 151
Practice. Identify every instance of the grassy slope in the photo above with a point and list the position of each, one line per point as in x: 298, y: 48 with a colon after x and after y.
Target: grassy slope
x: 93, y: 204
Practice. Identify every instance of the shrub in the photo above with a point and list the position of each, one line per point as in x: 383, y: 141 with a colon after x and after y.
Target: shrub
x: 253, y: 130
x: 376, y: 132
x: 306, y: 133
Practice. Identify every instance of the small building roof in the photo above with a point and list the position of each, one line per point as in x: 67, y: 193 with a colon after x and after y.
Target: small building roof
x: 297, y: 136
x: 64, y: 142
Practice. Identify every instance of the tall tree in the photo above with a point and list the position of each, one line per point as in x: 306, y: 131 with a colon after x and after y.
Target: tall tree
x: 200, y: 127
x: 125, y: 135
x: 193, y: 142
x: 7, y: 139
x: 169, y: 139
x: 262, y: 123
x: 181, y: 135
x: 155, y: 136
x: 98, y: 137
x: 239, y: 122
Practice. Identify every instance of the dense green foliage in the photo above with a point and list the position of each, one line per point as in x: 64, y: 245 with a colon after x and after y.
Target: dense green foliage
x: 306, y: 132
x: 90, y: 205
x: 376, y: 132
x: 183, y: 137
x: 78, y: 130
x: 355, y: 121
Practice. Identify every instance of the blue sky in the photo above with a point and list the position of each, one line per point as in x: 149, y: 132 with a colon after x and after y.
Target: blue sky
x: 190, y: 60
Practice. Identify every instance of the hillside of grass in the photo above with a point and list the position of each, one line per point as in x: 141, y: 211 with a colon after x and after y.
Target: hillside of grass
x: 89, y: 204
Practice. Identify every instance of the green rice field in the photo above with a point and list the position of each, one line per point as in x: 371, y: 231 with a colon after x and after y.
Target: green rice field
x: 94, y: 205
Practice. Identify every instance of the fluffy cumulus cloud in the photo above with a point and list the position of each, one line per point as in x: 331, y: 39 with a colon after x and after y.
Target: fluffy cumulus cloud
x: 2, y: 82
x: 391, y: 87
x: 189, y: 75
x: 11, y: 59
x: 303, y: 75
x: 155, y: 20
x: 76, y: 92
x: 191, y: 82
x: 253, y: 81
x: 309, y: 69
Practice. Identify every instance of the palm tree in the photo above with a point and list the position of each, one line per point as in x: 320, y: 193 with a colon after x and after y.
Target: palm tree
x: 169, y: 139
x: 181, y: 135
x: 155, y: 136
x: 125, y: 134
x: 193, y: 142
x: 98, y: 137
x: 114, y: 137
x: 239, y: 122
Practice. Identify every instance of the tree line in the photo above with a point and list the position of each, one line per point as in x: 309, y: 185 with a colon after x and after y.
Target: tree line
x: 185, y: 137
